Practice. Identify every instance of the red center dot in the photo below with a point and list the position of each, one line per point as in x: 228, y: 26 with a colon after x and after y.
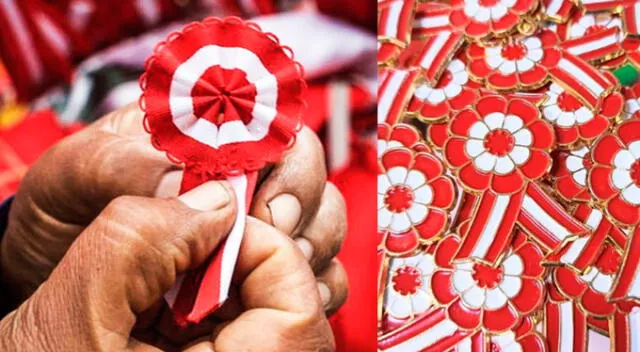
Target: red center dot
x: 399, y: 198
x: 514, y: 51
x: 594, y: 29
x: 444, y: 80
x: 635, y: 172
x: 609, y: 262
x: 407, y: 280
x: 568, y: 103
x: 488, y: 3
x: 487, y: 276
x: 499, y: 142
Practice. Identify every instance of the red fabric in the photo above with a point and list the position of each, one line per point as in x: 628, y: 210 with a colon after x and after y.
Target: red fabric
x: 363, y: 13
x: 22, y: 145
x: 354, y: 325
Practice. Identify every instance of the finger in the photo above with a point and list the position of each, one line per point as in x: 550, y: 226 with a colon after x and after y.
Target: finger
x: 291, y: 192
x: 333, y: 286
x: 322, y: 239
x: 129, y: 257
x: 280, y: 295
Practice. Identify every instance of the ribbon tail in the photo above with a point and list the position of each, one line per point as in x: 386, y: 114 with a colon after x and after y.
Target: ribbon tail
x: 625, y: 327
x: 565, y: 327
x: 627, y: 284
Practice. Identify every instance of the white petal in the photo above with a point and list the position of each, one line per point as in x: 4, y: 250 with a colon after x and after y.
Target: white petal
x: 602, y: 283
x: 508, y: 3
x: 580, y: 152
x: 474, y: 147
x: 508, y: 67
x: 417, y: 213
x: 464, y: 266
x: 504, y: 165
x: 583, y: 115
x: 423, y: 92
x: 523, y: 137
x: 415, y: 179
x: 475, y: 297
x: 423, y: 195
x: 566, y: 119
x: 532, y: 43
x: 452, y: 90
x: 382, y: 146
x: 623, y: 159
x: 421, y: 301
x: 380, y: 201
x: 511, y: 285
x: 514, y: 347
x: 512, y: 123
x: 482, y: 15
x: 427, y: 265
x: 519, y: 154
x: 574, y: 163
x: 436, y: 97
x: 384, y: 218
x: 462, y: 280
x: 400, y: 222
x: 478, y: 130
x: 621, y: 178
x: 524, y: 65
x: 471, y: 8
x: 632, y: 194
x: 400, y: 307
x: 631, y: 106
x: 494, y: 120
x: 456, y: 67
x: 556, y: 88
x: 535, y: 55
x: 495, y: 299
x: 504, y: 339
x: 590, y: 275
x: 513, y: 265
x: 460, y: 78
x: 634, y: 148
x: 485, y: 162
x: 580, y: 177
x: 498, y: 11
x: 383, y: 184
x: 397, y: 175
x: 494, y: 61
x: 551, y: 112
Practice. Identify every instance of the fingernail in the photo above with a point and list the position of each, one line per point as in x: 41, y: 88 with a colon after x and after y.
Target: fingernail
x: 211, y: 195
x: 305, y: 246
x: 285, y: 212
x: 325, y: 294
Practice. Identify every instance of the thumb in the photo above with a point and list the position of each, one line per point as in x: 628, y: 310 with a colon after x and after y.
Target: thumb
x: 123, y: 263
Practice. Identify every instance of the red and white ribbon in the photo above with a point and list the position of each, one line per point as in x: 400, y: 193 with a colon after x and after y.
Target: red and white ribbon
x: 395, y: 21
x: 631, y: 20
x: 436, y: 53
x: 596, y: 47
x: 625, y: 329
x: 394, y: 90
x: 627, y: 285
x: 431, y: 18
x: 565, y: 327
x: 587, y: 82
x: 605, y: 5
x: 558, y: 10
x: 431, y: 333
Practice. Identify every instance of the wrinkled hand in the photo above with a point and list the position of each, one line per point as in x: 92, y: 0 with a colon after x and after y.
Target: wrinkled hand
x: 73, y: 182
x: 128, y: 257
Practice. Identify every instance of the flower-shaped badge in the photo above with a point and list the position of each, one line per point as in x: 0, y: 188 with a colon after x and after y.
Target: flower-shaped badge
x: 569, y: 174
x: 486, y: 18
x: 478, y: 295
x: 224, y: 99
x: 573, y: 120
x: 399, y: 135
x: 614, y: 178
x: 414, y: 198
x: 452, y: 93
x: 588, y: 23
x: 499, y: 145
x: 520, y: 63
x: 408, y: 291
x: 523, y: 337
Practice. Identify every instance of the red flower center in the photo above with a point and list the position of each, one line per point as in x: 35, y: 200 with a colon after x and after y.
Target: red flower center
x: 499, y: 142
x: 635, y: 172
x: 222, y: 95
x: 514, y: 51
x: 407, y: 280
x: 488, y: 3
x: 568, y: 103
x: 594, y: 29
x: 399, y: 198
x: 487, y: 276
x: 444, y: 80
x: 609, y: 262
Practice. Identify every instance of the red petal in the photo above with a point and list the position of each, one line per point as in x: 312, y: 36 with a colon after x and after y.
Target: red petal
x: 596, y: 303
x: 501, y: 319
x: 443, y: 192
x: 534, y: 76
x: 454, y: 152
x: 605, y: 149
x: 445, y: 251
x: 491, y: 103
x: 509, y: 183
x: 543, y: 134
x: 433, y: 225
x: 405, y: 134
x: 525, y: 110
x: 402, y: 243
x: 477, y: 29
x: 442, y: 288
x: 474, y: 179
x: 566, y: 135
x: 466, y: 318
x: 629, y: 131
x: 397, y: 157
x: 428, y: 165
x: 479, y: 68
x: 600, y: 182
x: 537, y: 165
x: 623, y: 211
x: 500, y: 81
x: 462, y: 122
x: 530, y: 296
x: 594, y: 128
x: 437, y: 134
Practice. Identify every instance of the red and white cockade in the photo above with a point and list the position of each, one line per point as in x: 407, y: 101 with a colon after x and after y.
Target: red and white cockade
x: 452, y: 93
x: 615, y: 176
x: 517, y: 64
x: 569, y: 174
x: 478, y: 295
x: 574, y: 121
x: 501, y: 145
x: 486, y: 18
x: 224, y: 99
x: 408, y: 291
x: 589, y: 23
x: 400, y: 135
x: 414, y: 198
